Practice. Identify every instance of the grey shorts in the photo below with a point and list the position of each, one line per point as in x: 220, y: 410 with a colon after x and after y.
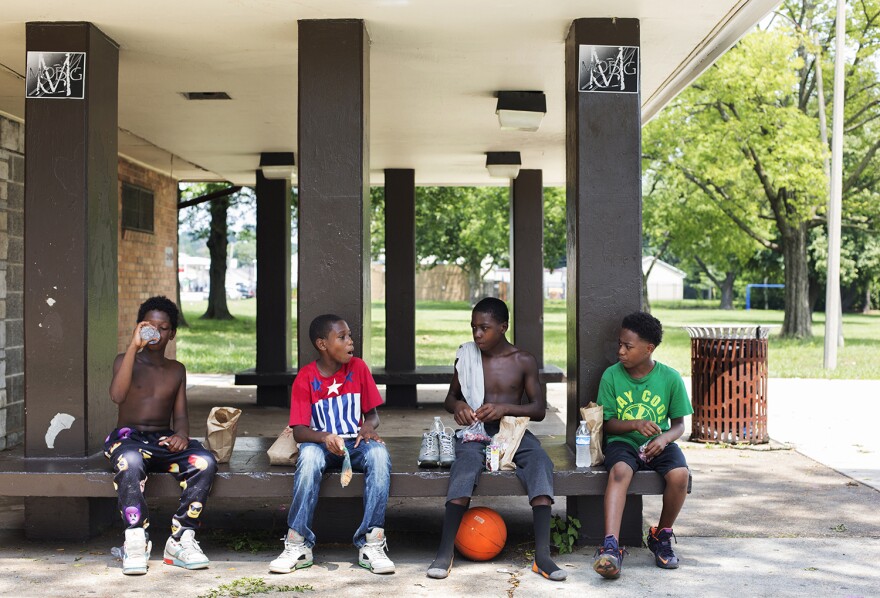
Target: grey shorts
x: 533, y: 467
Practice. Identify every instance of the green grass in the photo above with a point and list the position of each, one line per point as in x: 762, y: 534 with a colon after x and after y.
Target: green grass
x: 223, y: 347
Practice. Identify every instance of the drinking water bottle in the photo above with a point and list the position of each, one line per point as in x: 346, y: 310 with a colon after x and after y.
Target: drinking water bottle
x: 582, y: 445
x: 438, y: 426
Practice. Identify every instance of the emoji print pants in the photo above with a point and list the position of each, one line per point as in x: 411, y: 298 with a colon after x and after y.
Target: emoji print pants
x: 134, y: 454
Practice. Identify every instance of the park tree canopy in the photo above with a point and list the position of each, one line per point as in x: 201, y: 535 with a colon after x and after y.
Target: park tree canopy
x: 745, y: 138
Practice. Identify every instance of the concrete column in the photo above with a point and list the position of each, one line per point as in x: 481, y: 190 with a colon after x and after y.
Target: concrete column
x: 603, y: 147
x: 400, y: 281
x: 527, y: 261
x: 71, y: 199
x: 273, y: 286
x: 70, y: 245
x: 334, y: 208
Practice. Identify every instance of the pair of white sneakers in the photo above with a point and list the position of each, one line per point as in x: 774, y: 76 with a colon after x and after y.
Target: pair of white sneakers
x: 185, y: 552
x: 297, y: 555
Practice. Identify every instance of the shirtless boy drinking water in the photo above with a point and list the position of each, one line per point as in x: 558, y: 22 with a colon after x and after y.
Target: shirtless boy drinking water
x: 152, y: 435
x: 507, y: 372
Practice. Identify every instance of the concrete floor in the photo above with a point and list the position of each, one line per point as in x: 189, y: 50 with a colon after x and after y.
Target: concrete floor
x: 761, y: 521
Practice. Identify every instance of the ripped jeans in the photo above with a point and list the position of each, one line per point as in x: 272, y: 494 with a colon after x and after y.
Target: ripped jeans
x: 371, y: 458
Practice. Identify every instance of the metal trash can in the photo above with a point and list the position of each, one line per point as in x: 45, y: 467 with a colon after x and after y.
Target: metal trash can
x: 729, y: 383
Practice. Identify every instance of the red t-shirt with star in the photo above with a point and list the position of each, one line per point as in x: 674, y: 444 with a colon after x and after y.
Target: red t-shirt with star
x: 333, y: 403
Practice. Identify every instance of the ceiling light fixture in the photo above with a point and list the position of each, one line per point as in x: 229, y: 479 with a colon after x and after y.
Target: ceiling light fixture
x: 521, y: 110
x: 503, y: 165
x: 277, y: 165
x: 205, y: 95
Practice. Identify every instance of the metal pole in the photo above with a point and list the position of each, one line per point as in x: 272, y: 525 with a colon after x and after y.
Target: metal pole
x: 823, y: 137
x: 832, y: 285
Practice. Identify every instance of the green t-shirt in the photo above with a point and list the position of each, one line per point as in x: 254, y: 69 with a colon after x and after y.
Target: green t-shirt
x: 658, y: 397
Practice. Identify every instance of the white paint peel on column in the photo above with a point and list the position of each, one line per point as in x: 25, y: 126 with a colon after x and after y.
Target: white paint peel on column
x: 61, y: 421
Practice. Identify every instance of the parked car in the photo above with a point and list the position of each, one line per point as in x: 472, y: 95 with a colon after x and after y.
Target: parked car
x: 245, y: 291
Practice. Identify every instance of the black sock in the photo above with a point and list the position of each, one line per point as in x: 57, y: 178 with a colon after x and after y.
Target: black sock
x: 451, y: 523
x: 541, y: 515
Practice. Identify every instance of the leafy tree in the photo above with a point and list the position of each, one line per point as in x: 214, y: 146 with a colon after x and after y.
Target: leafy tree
x: 744, y: 135
x: 210, y: 221
x: 679, y: 224
x: 738, y: 136
x: 467, y: 226
x: 555, y: 233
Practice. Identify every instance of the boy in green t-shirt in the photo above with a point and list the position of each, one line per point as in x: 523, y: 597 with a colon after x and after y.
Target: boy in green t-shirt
x: 644, y: 404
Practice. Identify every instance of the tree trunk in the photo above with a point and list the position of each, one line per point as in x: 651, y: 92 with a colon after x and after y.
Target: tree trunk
x: 726, y: 287
x: 867, y: 307
x: 646, y: 303
x: 798, y: 318
x: 217, y: 241
x: 473, y: 277
x: 181, y: 320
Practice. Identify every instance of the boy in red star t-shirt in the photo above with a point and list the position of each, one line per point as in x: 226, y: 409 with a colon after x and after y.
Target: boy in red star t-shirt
x: 333, y: 414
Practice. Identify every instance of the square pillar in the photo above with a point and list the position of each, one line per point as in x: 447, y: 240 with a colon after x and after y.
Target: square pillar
x: 70, y: 249
x: 603, y: 204
x: 70, y: 245
x: 527, y: 261
x: 334, y: 199
x: 400, y: 281
x: 273, y: 284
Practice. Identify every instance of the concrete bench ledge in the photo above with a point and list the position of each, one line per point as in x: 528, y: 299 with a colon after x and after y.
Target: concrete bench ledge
x: 249, y: 474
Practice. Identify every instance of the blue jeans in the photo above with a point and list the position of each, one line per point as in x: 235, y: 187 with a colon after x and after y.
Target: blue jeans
x: 371, y: 458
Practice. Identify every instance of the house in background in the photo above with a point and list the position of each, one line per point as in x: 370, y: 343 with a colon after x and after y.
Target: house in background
x: 666, y: 282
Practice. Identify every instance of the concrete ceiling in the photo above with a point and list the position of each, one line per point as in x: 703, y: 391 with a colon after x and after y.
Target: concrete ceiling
x: 434, y: 69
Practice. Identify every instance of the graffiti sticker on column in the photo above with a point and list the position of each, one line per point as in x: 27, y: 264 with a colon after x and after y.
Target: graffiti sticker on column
x: 608, y: 69
x: 56, y: 75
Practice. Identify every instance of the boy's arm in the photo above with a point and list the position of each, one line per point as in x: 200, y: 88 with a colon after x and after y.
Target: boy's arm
x: 123, y: 366
x: 613, y: 425
x: 180, y: 419
x: 658, y: 443
x: 535, y: 409
x: 456, y: 404
x: 334, y: 443
x: 368, y: 428
x: 644, y: 427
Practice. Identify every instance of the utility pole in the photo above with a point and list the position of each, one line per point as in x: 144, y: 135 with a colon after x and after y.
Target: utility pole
x: 832, y: 284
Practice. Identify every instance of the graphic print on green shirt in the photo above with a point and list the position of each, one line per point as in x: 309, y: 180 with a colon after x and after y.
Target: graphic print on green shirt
x: 658, y: 397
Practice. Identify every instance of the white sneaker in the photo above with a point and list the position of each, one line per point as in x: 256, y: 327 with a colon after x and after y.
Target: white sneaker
x: 296, y: 555
x: 135, y: 551
x: 429, y: 452
x: 372, y: 556
x: 447, y: 448
x: 185, y: 552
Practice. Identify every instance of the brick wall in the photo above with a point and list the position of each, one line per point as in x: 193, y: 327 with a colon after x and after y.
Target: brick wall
x: 147, y: 267
x: 11, y: 282
x: 147, y: 262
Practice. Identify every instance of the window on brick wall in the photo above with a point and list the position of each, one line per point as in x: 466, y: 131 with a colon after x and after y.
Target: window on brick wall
x: 137, y: 208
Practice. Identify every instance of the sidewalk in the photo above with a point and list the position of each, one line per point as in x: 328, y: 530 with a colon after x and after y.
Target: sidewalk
x: 760, y: 522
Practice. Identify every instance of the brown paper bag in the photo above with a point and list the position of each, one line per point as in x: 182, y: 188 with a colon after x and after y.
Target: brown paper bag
x: 285, y: 450
x: 222, y: 429
x: 508, y: 438
x: 593, y: 415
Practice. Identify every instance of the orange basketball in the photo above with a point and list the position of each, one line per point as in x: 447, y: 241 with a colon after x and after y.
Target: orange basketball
x: 481, y: 535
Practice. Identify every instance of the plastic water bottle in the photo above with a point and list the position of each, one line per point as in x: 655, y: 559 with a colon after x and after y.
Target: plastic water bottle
x: 438, y: 426
x: 582, y: 445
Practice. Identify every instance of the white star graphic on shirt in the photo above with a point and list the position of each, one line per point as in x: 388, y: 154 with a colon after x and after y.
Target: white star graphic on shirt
x: 333, y: 388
